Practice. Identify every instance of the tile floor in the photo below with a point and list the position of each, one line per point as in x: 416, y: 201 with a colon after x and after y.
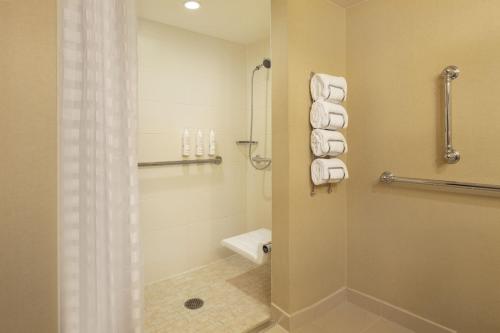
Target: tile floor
x: 348, y: 318
x: 236, y: 292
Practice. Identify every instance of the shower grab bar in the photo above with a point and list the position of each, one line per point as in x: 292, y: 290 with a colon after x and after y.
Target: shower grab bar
x: 217, y: 160
x: 247, y: 142
x: 450, y: 73
x: 388, y: 178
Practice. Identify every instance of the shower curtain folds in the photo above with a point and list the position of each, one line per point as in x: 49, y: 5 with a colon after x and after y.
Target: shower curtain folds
x: 100, y: 268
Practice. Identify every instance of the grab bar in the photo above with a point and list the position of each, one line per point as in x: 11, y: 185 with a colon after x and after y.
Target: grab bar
x: 388, y: 178
x: 217, y: 160
x: 450, y: 73
x: 247, y: 142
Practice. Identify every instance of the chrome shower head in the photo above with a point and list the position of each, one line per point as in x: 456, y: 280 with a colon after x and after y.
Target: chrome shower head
x: 266, y: 63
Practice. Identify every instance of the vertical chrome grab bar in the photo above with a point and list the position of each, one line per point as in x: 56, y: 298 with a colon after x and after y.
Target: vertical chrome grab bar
x: 450, y: 73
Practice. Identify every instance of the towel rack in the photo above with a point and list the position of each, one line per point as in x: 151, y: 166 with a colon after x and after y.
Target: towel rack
x: 217, y: 160
x: 330, y: 185
x: 388, y: 178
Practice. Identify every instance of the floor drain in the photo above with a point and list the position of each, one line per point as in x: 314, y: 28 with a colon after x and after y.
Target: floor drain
x: 193, y: 303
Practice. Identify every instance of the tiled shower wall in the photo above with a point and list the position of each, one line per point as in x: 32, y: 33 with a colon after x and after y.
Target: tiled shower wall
x: 189, y: 80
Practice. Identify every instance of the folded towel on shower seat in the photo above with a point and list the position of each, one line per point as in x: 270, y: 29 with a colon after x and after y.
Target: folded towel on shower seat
x: 328, y: 87
x: 250, y: 245
x: 327, y: 143
x: 325, y: 115
x: 324, y: 171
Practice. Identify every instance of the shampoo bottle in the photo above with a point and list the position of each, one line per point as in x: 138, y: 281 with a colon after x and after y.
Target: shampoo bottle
x: 199, y: 143
x: 186, y: 143
x: 211, y: 143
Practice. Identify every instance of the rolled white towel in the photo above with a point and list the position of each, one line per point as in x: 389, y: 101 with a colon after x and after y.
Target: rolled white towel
x: 328, y: 87
x: 327, y: 143
x: 324, y: 171
x: 330, y: 116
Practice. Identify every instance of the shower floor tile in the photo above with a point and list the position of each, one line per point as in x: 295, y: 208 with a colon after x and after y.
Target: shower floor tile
x: 236, y: 295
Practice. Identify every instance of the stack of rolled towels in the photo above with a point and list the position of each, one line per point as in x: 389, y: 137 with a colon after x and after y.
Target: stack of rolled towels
x: 327, y: 117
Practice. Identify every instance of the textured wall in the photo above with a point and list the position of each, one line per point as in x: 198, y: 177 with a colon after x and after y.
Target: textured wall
x: 312, y: 229
x: 434, y: 253
x: 28, y: 176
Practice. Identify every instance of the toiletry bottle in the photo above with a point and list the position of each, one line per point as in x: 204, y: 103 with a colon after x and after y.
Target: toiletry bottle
x: 199, y: 143
x: 211, y: 143
x: 186, y: 143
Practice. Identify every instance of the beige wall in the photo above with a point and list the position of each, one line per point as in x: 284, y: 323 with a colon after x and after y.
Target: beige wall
x: 280, y: 277
x: 309, y: 232
x: 28, y: 176
x: 190, y: 80
x: 434, y: 253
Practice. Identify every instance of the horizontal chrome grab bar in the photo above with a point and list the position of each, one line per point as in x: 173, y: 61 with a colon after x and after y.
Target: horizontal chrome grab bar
x: 217, y: 160
x: 388, y: 178
x: 247, y: 142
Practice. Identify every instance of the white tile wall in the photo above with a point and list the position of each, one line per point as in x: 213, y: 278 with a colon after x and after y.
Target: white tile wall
x: 188, y: 80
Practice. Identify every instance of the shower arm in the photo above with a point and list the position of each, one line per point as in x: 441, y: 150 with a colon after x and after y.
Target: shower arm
x: 451, y: 156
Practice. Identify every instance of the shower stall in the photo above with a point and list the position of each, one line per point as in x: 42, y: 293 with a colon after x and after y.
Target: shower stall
x: 204, y: 148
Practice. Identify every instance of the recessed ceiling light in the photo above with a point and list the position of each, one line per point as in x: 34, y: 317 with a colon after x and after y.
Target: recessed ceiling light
x: 193, y: 5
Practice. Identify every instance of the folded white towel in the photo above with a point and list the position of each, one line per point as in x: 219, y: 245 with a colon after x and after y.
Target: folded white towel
x: 327, y: 143
x: 327, y: 115
x: 328, y: 87
x: 324, y: 171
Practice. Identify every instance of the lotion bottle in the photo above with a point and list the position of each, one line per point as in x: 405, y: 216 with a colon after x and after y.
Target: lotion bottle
x: 211, y: 143
x: 186, y: 143
x: 199, y: 143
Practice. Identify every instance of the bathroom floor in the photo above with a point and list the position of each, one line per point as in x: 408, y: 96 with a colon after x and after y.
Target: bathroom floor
x: 236, y: 295
x: 348, y: 318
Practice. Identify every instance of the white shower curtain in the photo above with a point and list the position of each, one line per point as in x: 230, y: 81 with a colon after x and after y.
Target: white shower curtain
x: 100, y: 268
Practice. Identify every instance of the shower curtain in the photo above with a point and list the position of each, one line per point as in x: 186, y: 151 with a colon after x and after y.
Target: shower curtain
x: 100, y: 267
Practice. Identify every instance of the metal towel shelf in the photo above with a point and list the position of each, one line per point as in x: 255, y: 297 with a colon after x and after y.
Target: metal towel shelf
x: 217, y: 160
x: 389, y: 178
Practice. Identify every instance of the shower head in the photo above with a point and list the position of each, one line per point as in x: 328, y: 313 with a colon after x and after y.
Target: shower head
x: 265, y: 63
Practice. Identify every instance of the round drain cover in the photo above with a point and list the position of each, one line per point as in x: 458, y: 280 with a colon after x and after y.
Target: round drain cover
x: 193, y: 303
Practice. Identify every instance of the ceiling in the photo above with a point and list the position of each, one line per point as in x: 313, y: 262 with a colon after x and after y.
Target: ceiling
x: 240, y: 21
x: 347, y: 3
